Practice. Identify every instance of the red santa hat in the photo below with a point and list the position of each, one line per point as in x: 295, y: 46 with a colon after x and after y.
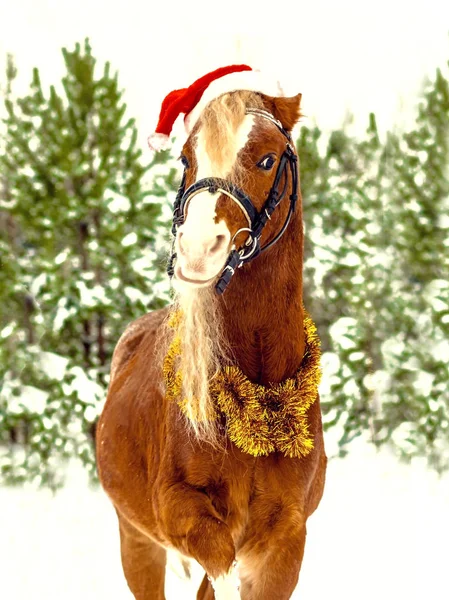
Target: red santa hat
x: 192, y: 100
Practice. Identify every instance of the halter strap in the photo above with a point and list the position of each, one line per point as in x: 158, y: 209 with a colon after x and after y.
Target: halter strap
x: 216, y: 185
x: 259, y: 112
x: 256, y: 220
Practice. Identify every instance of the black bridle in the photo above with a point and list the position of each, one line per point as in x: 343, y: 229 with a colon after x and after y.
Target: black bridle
x: 256, y: 220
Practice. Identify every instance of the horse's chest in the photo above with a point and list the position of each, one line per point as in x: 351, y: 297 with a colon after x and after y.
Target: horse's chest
x: 251, y: 494
x: 229, y: 489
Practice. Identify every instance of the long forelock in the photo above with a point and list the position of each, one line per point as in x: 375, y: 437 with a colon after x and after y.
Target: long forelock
x: 219, y: 125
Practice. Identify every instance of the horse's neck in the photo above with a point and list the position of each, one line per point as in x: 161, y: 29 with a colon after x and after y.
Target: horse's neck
x: 263, y: 315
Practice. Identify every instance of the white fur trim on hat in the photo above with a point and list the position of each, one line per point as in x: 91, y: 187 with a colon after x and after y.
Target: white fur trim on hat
x: 253, y: 81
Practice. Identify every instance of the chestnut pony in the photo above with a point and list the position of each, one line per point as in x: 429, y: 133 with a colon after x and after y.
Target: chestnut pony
x: 174, y: 476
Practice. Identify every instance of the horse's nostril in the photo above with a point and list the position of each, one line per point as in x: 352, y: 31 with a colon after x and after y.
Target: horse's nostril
x: 220, y: 241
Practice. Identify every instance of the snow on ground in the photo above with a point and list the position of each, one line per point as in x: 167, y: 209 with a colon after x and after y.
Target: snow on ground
x: 380, y: 532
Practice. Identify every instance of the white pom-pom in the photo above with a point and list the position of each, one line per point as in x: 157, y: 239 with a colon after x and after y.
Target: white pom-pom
x: 158, y: 141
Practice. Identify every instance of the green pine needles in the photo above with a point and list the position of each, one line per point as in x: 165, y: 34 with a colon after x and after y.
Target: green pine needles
x: 81, y: 255
x: 377, y: 278
x: 83, y: 249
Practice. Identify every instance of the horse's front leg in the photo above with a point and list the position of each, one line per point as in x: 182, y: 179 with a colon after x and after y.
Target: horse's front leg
x: 269, y: 569
x: 193, y: 526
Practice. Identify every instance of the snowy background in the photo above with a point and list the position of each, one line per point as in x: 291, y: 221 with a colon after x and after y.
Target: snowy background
x: 343, y: 56
x: 381, y: 529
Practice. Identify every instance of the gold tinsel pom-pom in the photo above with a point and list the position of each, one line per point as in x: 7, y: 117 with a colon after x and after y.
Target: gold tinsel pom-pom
x: 260, y: 420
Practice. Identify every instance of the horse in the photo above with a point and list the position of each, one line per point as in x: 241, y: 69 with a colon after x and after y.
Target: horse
x: 198, y: 447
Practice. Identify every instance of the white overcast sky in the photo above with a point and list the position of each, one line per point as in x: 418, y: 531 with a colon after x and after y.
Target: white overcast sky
x: 349, y: 55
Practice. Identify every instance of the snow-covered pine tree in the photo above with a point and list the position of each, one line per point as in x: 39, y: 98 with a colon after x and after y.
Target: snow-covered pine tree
x: 376, y: 278
x: 415, y: 411
x: 82, y: 255
x: 345, y: 273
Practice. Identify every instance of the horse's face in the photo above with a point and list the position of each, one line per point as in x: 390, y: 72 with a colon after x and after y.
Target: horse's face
x: 244, y: 149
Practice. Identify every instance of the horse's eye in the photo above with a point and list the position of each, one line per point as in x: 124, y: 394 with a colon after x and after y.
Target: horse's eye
x: 267, y: 162
x: 184, y: 161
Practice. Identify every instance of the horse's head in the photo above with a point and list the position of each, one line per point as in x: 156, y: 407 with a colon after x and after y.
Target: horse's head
x: 239, y: 166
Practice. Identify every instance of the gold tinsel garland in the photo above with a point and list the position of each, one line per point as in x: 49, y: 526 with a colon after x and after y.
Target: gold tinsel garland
x: 260, y: 420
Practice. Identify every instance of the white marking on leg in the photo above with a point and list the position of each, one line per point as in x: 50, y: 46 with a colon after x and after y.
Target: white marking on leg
x: 177, y: 584
x: 227, y: 587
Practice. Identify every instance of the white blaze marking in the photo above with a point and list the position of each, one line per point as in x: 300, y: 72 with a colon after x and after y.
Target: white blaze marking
x: 206, y: 168
x: 201, y: 259
x: 201, y: 212
x: 200, y: 224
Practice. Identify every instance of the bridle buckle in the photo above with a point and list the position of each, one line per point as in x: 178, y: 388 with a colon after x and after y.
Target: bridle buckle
x: 244, y: 257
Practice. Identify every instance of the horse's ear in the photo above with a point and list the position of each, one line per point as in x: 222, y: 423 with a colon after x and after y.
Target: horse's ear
x: 287, y: 110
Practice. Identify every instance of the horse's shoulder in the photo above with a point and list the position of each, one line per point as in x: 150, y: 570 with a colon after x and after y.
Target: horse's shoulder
x: 131, y: 339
